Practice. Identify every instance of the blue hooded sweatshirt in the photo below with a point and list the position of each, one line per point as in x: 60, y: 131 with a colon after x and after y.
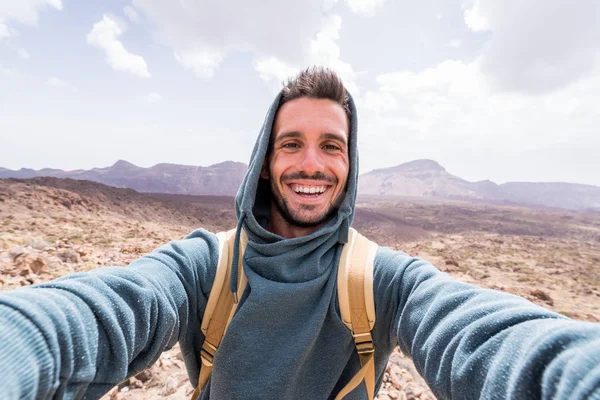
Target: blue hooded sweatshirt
x: 78, y: 336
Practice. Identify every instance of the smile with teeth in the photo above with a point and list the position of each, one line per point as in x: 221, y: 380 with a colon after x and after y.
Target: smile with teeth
x: 308, y: 190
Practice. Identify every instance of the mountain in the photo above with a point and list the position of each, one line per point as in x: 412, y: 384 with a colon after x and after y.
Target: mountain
x: 427, y: 178
x: 218, y: 179
x: 419, y: 178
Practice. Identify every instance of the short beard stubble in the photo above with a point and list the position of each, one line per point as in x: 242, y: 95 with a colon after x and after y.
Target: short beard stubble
x: 282, y: 206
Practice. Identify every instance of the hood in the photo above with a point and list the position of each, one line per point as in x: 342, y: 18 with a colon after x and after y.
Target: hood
x: 253, y: 202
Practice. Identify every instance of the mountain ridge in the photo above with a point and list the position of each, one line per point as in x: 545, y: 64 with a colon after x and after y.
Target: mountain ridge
x: 417, y: 178
x: 218, y: 179
x: 426, y: 178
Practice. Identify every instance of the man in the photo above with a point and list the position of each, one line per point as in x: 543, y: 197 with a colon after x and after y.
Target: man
x: 80, y: 335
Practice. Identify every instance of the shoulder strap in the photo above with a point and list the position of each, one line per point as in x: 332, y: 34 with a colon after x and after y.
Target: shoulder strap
x: 220, y: 306
x: 355, y: 297
x: 357, y: 306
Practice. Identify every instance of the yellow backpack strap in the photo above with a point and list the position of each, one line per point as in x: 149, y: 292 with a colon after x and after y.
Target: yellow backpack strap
x: 357, y: 306
x: 220, y: 306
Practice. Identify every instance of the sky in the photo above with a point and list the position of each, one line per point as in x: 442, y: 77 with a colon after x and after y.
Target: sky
x: 500, y: 90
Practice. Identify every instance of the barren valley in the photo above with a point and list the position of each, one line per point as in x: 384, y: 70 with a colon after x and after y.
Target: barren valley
x: 50, y: 227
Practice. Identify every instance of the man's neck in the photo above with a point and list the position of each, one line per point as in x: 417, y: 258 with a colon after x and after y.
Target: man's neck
x: 279, y: 226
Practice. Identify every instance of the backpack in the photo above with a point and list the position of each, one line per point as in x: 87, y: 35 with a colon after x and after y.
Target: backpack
x: 355, y: 298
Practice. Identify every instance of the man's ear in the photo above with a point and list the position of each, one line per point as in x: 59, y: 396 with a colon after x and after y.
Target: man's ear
x: 264, y: 172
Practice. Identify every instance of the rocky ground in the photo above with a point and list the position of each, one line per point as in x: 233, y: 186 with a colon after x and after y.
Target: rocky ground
x: 51, y: 227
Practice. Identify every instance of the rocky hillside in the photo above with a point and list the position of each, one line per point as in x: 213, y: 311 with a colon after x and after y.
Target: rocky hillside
x: 419, y: 178
x: 427, y: 178
x: 51, y: 227
x: 218, y: 179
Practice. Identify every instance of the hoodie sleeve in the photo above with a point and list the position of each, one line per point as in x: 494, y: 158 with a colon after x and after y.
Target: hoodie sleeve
x: 80, y: 335
x: 473, y: 343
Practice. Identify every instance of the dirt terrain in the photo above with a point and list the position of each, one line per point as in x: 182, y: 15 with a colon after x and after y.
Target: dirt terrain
x: 50, y: 227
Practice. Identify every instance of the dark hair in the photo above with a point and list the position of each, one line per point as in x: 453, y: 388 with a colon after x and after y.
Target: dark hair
x: 317, y: 83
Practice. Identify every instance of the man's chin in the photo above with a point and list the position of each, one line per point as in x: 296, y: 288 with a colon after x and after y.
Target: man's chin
x: 310, y: 221
x: 304, y: 215
x: 300, y: 223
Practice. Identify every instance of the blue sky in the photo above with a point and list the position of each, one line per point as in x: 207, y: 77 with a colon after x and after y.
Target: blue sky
x: 506, y: 91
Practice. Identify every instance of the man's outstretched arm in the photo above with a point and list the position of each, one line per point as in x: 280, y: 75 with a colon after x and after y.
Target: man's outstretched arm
x: 86, y: 332
x: 471, y: 343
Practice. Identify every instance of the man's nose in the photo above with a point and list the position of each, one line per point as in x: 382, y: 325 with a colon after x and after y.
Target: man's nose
x: 312, y: 162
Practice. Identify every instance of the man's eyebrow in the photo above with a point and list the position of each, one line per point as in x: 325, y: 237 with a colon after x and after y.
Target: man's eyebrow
x: 334, y: 136
x: 288, y: 135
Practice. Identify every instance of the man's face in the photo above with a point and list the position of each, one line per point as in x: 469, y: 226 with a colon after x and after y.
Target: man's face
x: 308, y: 164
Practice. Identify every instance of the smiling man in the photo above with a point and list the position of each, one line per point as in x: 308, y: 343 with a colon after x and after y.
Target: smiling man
x: 80, y: 335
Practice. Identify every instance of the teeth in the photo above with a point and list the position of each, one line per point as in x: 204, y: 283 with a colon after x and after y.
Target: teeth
x: 309, y: 190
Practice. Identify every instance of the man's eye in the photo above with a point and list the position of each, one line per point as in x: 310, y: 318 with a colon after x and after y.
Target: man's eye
x: 331, y: 147
x: 290, y: 145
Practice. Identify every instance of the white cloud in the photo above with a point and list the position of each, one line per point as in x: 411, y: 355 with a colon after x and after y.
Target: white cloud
x: 380, y: 102
x: 536, y: 46
x: 450, y: 113
x: 132, y: 15
x: 203, y: 62
x: 455, y: 43
x: 4, y: 31
x: 474, y: 18
x: 23, y: 53
x: 55, y: 3
x: 202, y: 34
x: 323, y: 50
x: 104, y: 35
x: 365, y: 8
x: 324, y: 46
x: 25, y: 11
x: 59, y: 83
x: 274, y: 71
x: 7, y: 72
x: 22, y: 11
x: 153, y: 97
x: 450, y: 75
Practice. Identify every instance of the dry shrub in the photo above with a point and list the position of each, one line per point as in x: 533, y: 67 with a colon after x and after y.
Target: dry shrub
x: 540, y: 294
